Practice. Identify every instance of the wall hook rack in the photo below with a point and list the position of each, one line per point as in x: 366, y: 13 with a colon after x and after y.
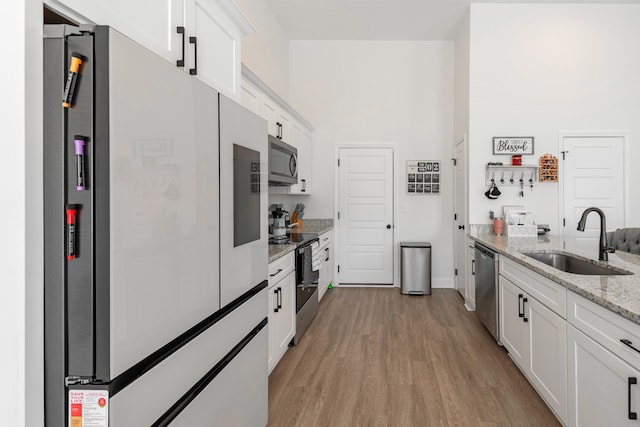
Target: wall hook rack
x: 517, y: 173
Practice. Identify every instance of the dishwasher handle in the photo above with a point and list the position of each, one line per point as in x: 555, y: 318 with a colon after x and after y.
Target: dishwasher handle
x: 485, y: 251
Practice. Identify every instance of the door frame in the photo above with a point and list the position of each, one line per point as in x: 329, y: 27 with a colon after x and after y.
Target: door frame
x: 336, y: 203
x: 625, y: 173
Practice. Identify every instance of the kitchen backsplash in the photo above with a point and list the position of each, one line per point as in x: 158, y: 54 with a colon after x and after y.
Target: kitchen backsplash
x: 480, y: 228
x: 316, y: 225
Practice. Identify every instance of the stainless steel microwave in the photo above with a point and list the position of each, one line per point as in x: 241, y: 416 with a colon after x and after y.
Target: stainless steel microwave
x: 283, y: 163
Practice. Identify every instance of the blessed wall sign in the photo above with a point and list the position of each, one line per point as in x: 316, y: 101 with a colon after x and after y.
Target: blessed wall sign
x: 512, y: 145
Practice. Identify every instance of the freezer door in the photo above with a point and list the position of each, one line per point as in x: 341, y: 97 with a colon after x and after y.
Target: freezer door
x: 163, y: 216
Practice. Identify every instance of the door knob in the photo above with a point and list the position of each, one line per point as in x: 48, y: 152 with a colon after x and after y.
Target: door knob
x: 461, y: 227
x: 388, y: 226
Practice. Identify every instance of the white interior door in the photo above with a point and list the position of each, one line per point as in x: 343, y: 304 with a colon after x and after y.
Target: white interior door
x: 460, y: 217
x: 366, y: 216
x: 593, y: 177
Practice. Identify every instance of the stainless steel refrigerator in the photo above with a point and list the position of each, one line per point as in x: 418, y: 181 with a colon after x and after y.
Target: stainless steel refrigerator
x: 139, y: 168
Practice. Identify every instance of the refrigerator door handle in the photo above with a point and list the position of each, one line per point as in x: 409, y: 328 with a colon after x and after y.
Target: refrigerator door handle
x: 194, y: 41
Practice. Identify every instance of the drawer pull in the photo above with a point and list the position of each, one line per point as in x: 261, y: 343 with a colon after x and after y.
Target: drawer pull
x: 632, y: 381
x: 629, y: 344
x: 276, y: 273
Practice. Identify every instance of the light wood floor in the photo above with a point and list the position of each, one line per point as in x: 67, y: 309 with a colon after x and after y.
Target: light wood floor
x: 373, y: 357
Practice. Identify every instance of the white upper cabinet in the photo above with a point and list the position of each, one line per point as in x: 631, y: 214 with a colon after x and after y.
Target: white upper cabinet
x: 200, y: 36
x: 250, y: 97
x: 279, y: 122
x: 151, y: 23
x: 302, y: 141
x: 270, y: 112
x: 284, y: 123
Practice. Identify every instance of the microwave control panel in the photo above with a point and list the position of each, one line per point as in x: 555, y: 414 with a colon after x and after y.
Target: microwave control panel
x: 423, y: 177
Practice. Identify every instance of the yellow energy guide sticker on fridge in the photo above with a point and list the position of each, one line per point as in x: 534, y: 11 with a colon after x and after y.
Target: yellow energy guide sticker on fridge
x: 88, y: 408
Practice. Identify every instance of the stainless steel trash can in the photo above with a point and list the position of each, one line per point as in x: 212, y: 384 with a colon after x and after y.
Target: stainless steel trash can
x: 415, y: 268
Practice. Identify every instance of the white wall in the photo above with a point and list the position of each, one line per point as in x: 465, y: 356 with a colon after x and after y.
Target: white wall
x: 21, y: 315
x: 461, y: 92
x: 538, y: 69
x: 382, y: 92
x: 266, y: 53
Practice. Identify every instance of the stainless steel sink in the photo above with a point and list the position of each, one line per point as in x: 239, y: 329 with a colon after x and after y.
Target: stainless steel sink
x: 572, y: 264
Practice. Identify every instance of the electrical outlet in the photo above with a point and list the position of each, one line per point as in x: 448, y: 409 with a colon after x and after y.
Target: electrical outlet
x: 405, y: 208
x: 491, y: 214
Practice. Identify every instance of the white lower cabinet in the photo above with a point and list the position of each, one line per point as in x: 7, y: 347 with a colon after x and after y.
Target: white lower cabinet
x: 535, y: 337
x: 513, y: 328
x: 547, y: 368
x: 604, y: 365
x: 603, y: 389
x: 326, y: 272
x: 470, y: 284
x: 282, y: 308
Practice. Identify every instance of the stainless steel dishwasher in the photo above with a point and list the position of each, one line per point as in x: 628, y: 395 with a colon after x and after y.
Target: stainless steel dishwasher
x: 486, y: 262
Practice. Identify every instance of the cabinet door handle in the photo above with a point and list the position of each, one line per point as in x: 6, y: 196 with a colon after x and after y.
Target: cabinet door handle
x: 520, y: 313
x: 275, y: 310
x: 180, y: 62
x: 461, y: 227
x: 279, y: 297
x: 524, y: 300
x: 327, y: 254
x: 631, y: 381
x: 304, y: 185
x: 276, y: 273
x: 629, y: 344
x: 194, y: 41
x: 473, y: 270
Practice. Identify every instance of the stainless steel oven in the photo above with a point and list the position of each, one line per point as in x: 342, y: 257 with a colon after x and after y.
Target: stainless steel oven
x: 306, y: 282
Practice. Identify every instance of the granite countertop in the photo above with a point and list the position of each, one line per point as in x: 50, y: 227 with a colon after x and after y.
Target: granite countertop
x: 278, y: 251
x: 314, y: 226
x: 620, y: 293
x: 308, y: 226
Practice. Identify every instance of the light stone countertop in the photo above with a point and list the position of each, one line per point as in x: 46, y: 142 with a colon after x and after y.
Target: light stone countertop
x: 278, y: 251
x: 308, y: 226
x: 314, y: 226
x: 620, y: 293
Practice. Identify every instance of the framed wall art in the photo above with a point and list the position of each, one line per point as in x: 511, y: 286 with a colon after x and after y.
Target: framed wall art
x: 512, y: 145
x: 423, y: 177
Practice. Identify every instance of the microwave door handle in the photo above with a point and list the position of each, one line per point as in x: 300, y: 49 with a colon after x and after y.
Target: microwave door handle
x: 293, y: 165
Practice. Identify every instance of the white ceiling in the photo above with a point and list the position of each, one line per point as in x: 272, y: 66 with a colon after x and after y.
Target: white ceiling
x: 380, y: 19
